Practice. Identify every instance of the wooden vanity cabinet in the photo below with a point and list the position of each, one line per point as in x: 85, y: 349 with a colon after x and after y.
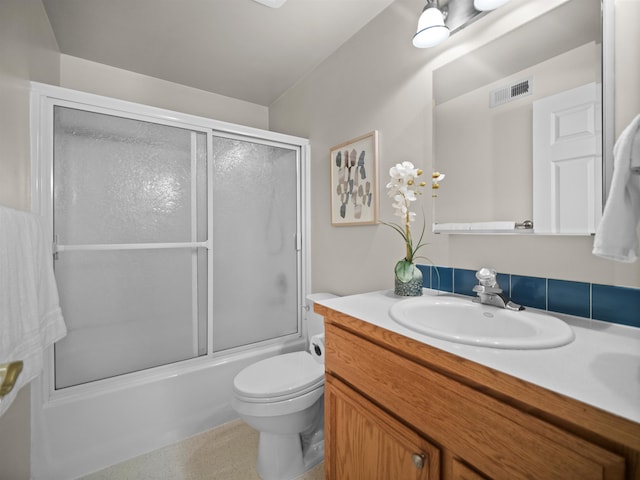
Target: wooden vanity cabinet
x: 391, y: 401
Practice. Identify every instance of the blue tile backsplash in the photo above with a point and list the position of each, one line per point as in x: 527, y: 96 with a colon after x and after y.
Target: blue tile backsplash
x: 572, y: 298
x: 601, y: 302
x: 616, y: 304
x: 529, y: 291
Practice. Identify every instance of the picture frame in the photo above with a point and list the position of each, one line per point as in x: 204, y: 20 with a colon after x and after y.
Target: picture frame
x: 354, y: 181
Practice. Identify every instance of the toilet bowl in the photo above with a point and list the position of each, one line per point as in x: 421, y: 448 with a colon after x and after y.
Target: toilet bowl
x: 283, y: 398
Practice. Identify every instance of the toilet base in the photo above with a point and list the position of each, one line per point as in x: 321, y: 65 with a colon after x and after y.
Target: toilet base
x: 281, y: 457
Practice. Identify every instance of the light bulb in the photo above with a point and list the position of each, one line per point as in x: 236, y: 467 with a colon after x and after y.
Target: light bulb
x: 431, y: 28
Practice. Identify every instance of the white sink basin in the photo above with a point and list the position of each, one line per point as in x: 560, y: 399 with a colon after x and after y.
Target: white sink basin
x: 461, y: 320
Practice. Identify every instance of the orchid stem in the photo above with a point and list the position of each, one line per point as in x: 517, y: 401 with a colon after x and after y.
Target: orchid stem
x: 409, y: 256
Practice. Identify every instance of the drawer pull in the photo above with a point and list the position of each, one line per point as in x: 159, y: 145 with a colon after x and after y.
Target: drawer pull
x: 418, y: 460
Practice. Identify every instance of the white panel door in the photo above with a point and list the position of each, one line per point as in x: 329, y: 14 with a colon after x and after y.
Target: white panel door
x: 567, y: 161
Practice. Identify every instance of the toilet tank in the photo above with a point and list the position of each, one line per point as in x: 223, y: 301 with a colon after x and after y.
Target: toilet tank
x: 315, y: 322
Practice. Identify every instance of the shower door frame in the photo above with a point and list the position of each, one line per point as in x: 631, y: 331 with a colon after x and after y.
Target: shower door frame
x: 45, y: 399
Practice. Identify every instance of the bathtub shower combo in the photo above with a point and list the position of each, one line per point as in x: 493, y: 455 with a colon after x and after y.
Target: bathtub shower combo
x: 180, y: 253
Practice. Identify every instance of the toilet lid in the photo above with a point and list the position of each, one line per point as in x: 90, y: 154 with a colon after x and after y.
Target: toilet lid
x: 284, y: 375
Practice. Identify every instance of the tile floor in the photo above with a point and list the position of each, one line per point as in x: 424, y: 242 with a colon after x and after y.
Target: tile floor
x: 227, y: 452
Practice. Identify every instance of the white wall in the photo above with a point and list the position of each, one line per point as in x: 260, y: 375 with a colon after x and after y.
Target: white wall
x: 84, y: 75
x: 378, y: 80
x: 627, y: 39
x: 28, y: 51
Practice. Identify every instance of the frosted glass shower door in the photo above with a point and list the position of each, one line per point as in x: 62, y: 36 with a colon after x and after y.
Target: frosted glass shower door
x: 130, y: 225
x: 256, y: 252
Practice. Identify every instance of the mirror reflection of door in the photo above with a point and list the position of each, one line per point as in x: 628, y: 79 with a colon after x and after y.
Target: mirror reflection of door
x: 567, y: 161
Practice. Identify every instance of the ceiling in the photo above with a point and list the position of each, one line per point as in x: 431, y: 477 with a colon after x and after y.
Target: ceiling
x: 237, y: 48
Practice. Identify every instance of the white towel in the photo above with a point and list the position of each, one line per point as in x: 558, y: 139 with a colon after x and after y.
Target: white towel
x: 635, y: 150
x: 30, y: 315
x: 616, y: 237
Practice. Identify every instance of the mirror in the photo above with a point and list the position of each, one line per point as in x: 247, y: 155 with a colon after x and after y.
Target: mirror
x: 493, y: 114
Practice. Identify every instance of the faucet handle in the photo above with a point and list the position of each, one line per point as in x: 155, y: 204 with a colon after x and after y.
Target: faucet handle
x: 486, y: 277
x: 495, y: 289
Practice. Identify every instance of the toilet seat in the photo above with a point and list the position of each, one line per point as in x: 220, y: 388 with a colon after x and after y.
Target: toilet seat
x: 279, y: 378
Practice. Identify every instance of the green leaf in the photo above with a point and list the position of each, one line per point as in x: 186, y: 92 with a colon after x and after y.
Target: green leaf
x: 404, y: 270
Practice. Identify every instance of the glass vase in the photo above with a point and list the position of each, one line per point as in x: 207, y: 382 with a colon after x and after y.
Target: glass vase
x: 412, y: 288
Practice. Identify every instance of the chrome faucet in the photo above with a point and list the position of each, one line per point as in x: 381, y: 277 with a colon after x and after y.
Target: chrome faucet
x: 490, y: 293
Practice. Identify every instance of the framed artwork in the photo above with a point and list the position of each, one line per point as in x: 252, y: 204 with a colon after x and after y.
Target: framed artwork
x: 354, y: 181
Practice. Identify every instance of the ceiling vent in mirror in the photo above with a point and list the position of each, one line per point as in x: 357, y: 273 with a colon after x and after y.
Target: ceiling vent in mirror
x: 508, y: 93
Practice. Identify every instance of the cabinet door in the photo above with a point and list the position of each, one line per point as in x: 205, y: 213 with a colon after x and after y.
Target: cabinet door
x: 365, y: 443
x: 459, y: 471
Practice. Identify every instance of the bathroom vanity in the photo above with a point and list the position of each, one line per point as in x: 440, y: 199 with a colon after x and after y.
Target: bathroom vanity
x: 400, y: 405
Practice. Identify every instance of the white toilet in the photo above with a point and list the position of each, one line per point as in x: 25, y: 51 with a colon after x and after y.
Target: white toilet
x: 283, y: 398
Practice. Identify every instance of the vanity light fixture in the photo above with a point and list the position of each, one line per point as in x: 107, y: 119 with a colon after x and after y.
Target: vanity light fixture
x: 485, y: 5
x: 431, y: 28
x: 442, y: 18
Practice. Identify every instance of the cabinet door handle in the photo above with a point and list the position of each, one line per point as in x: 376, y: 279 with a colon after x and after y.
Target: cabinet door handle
x: 418, y: 460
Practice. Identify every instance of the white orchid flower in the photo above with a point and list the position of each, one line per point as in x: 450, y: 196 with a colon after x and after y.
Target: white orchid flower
x: 435, y: 178
x: 403, y: 189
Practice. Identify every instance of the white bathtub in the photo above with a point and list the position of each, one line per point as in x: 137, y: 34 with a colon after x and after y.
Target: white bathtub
x: 107, y: 422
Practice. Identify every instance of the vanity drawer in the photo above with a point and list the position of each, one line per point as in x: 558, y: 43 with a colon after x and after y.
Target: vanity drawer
x: 495, y: 438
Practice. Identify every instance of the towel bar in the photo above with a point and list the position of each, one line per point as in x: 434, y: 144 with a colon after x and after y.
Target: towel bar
x: 9, y: 373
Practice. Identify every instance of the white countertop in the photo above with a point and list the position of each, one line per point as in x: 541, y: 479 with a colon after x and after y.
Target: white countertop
x: 601, y: 367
